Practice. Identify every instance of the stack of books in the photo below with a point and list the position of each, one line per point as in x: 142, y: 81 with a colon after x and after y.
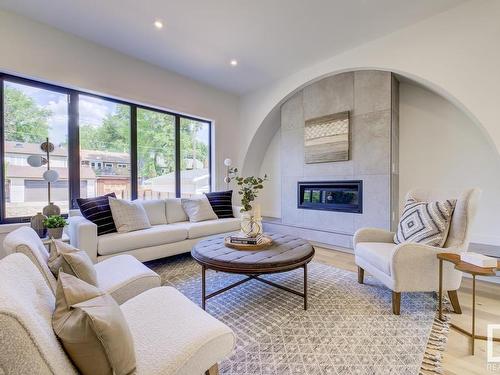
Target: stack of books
x: 478, y: 260
x: 241, y: 239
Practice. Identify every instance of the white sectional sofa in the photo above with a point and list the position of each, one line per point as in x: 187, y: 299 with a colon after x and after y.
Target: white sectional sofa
x: 171, y: 233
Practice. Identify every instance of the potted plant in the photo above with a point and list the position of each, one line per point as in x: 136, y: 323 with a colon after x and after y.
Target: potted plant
x: 55, y: 225
x: 250, y: 219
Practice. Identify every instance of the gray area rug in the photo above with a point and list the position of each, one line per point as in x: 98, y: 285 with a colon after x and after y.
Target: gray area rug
x: 348, y: 328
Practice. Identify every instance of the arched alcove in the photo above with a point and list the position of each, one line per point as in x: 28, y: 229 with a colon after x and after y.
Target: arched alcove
x: 270, y: 124
x: 443, y: 144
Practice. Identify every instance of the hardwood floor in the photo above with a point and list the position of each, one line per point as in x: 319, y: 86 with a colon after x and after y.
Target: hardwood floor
x: 457, y: 358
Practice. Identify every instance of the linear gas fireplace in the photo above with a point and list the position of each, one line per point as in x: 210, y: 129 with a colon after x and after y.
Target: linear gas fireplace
x: 343, y: 196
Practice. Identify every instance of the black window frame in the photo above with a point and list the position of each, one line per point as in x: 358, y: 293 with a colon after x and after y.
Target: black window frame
x: 74, y: 141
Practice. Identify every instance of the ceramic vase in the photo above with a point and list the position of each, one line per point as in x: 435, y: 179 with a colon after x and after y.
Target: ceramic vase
x: 55, y: 233
x: 37, y: 224
x: 51, y: 209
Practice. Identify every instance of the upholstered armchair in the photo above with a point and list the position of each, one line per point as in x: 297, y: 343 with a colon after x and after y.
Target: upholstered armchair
x: 413, y: 267
x: 171, y: 334
x: 123, y: 276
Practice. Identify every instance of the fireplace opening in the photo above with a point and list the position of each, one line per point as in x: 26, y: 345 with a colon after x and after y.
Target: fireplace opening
x: 342, y: 196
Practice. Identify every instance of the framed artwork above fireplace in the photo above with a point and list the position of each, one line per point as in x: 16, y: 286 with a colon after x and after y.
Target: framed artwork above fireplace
x: 326, y: 138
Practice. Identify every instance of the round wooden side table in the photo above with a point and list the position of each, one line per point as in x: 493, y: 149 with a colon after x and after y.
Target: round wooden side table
x: 474, y: 271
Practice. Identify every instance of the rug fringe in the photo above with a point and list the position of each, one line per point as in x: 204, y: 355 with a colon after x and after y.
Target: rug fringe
x: 438, y: 338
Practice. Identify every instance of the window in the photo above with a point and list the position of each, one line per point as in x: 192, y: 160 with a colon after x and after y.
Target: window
x: 195, y: 157
x: 155, y: 154
x: 102, y: 145
x: 104, y: 140
x: 31, y: 114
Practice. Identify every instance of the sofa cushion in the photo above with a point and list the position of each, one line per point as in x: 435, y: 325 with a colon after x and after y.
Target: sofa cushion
x: 198, y: 209
x: 128, y: 216
x: 156, y: 235
x: 156, y: 210
x: 222, y: 203
x: 124, y: 277
x: 177, y: 336
x: 92, y: 328
x: 379, y: 254
x: 97, y: 210
x: 175, y: 212
x: 207, y: 228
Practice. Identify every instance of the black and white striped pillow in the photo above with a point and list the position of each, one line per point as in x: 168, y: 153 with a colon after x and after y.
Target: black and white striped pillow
x: 97, y: 210
x: 222, y: 203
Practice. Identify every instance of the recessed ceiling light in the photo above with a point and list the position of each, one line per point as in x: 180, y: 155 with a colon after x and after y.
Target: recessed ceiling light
x: 233, y: 62
x: 158, y: 24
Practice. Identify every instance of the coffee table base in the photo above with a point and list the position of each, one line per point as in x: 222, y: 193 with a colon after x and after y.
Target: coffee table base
x: 205, y: 297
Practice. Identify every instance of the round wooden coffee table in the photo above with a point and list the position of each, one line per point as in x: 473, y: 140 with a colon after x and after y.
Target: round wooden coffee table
x: 285, y: 254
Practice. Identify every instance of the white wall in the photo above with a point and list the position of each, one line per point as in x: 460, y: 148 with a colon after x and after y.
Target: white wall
x: 454, y: 52
x: 41, y: 52
x: 37, y: 51
x: 270, y: 198
x: 440, y: 147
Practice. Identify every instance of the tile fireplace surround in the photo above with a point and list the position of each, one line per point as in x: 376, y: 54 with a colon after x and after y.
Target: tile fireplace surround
x: 371, y: 97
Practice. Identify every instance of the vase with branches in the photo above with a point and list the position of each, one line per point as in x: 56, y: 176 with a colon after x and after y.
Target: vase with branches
x: 249, y: 187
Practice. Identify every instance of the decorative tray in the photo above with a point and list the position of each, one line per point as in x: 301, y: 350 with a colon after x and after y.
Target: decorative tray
x: 265, y: 244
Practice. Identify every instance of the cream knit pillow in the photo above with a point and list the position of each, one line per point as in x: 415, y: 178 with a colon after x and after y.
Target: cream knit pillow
x: 128, y: 216
x: 198, y: 209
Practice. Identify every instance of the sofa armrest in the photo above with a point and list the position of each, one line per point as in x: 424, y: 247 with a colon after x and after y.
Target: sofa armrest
x: 373, y: 235
x: 415, y: 267
x: 83, y: 235
x: 236, y: 211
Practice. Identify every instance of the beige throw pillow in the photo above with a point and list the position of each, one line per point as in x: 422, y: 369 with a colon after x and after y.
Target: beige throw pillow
x: 198, y: 209
x: 71, y: 260
x: 128, y: 216
x: 92, y: 329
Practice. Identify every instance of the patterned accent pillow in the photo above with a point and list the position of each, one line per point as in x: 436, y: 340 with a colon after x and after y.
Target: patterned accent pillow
x: 222, y: 203
x: 97, y: 210
x: 128, y: 216
x: 426, y: 223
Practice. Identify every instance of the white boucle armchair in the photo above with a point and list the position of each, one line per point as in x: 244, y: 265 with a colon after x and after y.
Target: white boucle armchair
x: 123, y: 277
x: 171, y: 334
x: 412, y: 267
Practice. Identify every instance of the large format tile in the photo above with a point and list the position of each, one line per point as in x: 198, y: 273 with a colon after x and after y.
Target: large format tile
x: 328, y: 96
x: 329, y: 221
x: 371, y: 143
x: 395, y: 141
x: 324, y: 237
x: 376, y: 202
x: 292, y: 152
x: 372, y: 91
x: 292, y: 114
x: 290, y: 213
x: 321, y: 170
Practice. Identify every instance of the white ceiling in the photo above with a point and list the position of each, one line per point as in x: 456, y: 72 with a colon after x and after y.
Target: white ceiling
x: 270, y: 38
